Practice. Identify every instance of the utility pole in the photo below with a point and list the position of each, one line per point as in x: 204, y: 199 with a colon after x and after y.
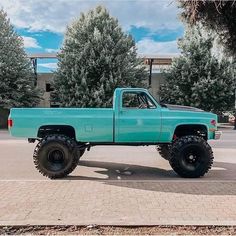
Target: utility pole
x: 34, y: 63
x: 150, y: 72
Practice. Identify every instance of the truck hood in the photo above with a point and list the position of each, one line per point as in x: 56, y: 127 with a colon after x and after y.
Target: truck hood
x: 181, y: 108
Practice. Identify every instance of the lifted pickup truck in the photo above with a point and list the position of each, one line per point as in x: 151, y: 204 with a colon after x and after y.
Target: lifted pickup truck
x: 180, y: 133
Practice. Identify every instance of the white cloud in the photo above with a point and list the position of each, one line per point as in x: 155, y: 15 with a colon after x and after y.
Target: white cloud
x: 51, y: 50
x: 149, y: 46
x: 52, y: 65
x: 30, y: 42
x: 38, y: 15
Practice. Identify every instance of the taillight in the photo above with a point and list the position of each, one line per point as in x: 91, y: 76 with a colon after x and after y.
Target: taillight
x: 10, y: 123
x: 213, y: 122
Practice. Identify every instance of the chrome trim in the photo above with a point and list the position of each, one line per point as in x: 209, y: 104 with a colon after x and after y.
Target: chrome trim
x: 217, y: 134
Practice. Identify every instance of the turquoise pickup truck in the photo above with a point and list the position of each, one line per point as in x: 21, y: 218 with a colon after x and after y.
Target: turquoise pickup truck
x: 180, y: 133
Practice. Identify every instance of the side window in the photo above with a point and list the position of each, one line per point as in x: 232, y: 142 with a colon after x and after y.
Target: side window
x: 147, y: 100
x: 130, y: 100
x: 137, y: 100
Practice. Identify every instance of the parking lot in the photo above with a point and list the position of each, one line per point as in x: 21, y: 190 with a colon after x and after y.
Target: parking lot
x: 117, y: 186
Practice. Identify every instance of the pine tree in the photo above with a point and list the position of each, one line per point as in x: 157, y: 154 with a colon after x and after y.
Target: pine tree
x: 218, y: 15
x: 16, y: 78
x: 197, y: 78
x: 96, y: 57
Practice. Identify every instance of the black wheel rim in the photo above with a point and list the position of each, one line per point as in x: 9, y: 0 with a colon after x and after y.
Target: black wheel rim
x: 192, y: 158
x: 56, y: 159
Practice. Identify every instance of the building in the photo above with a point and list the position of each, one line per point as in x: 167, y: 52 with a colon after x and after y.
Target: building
x: 154, y: 64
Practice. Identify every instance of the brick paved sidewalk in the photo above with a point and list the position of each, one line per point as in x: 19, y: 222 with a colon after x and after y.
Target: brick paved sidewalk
x: 83, y: 202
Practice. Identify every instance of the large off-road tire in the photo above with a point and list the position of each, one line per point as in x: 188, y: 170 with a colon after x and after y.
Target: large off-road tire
x: 191, y: 156
x: 56, y: 156
x: 164, y: 150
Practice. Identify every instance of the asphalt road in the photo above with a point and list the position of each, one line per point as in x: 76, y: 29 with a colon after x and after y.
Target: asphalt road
x: 228, y: 139
x: 115, y: 163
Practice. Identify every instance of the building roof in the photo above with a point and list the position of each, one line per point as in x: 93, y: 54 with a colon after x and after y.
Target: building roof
x: 145, y: 56
x: 158, y: 56
x: 156, y: 59
x: 42, y: 55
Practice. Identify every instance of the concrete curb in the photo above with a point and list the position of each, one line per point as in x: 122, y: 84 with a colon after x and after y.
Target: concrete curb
x: 121, y: 222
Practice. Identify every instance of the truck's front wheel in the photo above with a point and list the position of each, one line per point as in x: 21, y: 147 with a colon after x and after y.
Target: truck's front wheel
x: 56, y: 156
x: 191, y: 157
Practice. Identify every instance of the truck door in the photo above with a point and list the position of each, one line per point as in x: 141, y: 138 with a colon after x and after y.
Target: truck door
x: 138, y: 118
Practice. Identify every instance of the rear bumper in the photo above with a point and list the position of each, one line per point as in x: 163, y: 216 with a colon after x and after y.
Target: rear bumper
x: 217, y: 134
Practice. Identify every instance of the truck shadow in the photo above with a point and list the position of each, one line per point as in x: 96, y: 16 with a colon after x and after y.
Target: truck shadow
x: 216, y: 182
x: 121, y: 171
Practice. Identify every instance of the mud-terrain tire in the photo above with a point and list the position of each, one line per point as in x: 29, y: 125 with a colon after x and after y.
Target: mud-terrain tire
x: 164, y: 150
x: 191, y: 157
x: 56, y: 156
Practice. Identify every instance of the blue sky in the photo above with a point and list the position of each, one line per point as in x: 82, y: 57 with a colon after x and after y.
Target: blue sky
x: 154, y: 24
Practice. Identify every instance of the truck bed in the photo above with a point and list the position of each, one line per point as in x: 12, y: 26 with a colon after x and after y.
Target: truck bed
x: 91, y: 125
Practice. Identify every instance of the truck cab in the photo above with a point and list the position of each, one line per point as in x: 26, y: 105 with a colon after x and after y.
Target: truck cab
x: 137, y: 116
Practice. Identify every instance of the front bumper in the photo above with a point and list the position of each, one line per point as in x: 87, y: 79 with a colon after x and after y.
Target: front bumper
x: 217, y: 134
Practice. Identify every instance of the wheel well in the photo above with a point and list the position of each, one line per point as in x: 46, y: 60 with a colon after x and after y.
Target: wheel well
x: 67, y: 130
x: 183, y: 130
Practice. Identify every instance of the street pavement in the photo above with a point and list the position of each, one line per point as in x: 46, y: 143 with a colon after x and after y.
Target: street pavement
x: 117, y: 186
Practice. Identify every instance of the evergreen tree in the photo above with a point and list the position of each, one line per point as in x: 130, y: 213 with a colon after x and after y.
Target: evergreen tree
x: 218, y: 15
x: 16, y: 78
x: 197, y: 78
x: 96, y: 57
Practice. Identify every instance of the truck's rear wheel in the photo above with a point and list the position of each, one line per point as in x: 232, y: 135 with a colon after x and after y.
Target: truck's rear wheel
x: 56, y: 156
x: 191, y: 157
x: 164, y: 150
